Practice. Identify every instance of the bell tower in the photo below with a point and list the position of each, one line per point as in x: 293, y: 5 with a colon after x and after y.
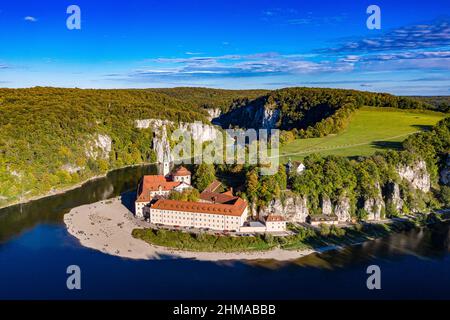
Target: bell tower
x: 166, y: 165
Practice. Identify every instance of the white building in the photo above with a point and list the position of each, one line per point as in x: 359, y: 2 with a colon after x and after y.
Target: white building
x: 160, y: 185
x: 214, y: 216
x: 272, y: 223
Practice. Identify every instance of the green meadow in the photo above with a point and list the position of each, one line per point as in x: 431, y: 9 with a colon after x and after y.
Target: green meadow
x: 370, y: 130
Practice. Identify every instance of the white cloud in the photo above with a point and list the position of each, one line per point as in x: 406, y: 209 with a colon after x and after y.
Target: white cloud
x: 30, y: 19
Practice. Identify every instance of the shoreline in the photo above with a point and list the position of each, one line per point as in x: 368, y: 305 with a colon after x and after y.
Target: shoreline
x: 69, y: 188
x: 106, y: 226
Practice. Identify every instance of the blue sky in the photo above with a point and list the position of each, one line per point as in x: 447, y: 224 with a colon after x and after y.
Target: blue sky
x: 227, y: 44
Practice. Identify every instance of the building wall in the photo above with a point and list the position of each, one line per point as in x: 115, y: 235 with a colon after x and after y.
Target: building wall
x: 139, y: 209
x: 186, y: 179
x: 276, y: 226
x: 253, y: 229
x: 197, y: 220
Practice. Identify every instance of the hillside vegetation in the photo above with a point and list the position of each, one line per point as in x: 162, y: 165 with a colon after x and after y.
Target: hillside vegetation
x: 440, y: 103
x: 51, y: 138
x: 313, y: 112
x: 363, y: 180
x: 370, y: 130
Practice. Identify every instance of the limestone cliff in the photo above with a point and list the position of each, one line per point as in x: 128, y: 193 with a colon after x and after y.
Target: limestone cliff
x: 374, y: 206
x: 342, y: 209
x: 294, y: 208
x: 417, y: 175
x: 393, y: 197
x: 99, y: 147
x: 252, y: 116
x: 327, y: 207
x: 214, y: 114
x: 161, y: 143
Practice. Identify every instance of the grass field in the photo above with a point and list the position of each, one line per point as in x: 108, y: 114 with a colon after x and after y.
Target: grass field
x: 370, y: 129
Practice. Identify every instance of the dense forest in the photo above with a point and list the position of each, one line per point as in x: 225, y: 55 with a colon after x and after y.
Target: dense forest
x: 214, y: 98
x: 359, y: 179
x: 314, y: 112
x: 52, y: 138
x: 440, y: 103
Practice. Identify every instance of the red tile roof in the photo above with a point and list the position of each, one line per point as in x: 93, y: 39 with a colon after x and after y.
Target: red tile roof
x: 272, y: 218
x: 213, y: 186
x: 182, y: 171
x: 153, y: 183
x: 217, y: 197
x: 235, y: 209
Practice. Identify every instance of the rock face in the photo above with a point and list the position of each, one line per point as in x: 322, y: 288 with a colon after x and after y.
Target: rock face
x: 71, y: 168
x: 417, y: 175
x: 301, y: 167
x: 100, y: 147
x: 161, y: 146
x: 374, y: 206
x: 393, y: 197
x: 152, y: 123
x: 342, y: 210
x: 213, y: 114
x: 294, y: 209
x: 445, y: 173
x: 252, y: 116
x: 198, y: 131
x: 327, y: 207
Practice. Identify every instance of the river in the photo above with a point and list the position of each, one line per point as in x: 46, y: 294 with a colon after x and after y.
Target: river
x: 36, y: 249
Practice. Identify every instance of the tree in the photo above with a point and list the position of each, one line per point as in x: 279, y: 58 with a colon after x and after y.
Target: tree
x: 204, y: 175
x: 252, y: 185
x: 445, y: 196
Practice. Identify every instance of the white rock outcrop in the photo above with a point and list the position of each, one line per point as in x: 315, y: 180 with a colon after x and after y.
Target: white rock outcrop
x: 417, y: 175
x: 100, y: 147
x: 161, y: 143
x: 161, y: 146
x: 294, y: 209
x: 342, y: 210
x: 213, y: 113
x: 393, y: 197
x: 269, y: 118
x: 327, y: 207
x: 375, y: 205
x: 70, y: 168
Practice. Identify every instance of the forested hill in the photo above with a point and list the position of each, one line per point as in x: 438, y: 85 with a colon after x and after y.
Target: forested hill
x: 311, y: 112
x: 51, y: 138
x: 214, y: 98
x: 440, y: 103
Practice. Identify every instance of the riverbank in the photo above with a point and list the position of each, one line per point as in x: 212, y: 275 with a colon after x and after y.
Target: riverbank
x: 59, y: 191
x: 107, y: 226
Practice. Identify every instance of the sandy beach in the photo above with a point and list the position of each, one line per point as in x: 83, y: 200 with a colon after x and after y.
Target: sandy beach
x: 106, y: 226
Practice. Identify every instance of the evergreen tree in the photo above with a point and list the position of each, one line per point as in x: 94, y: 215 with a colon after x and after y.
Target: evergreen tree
x: 204, y: 175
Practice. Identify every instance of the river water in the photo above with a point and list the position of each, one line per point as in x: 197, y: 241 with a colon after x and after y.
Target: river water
x: 35, y: 251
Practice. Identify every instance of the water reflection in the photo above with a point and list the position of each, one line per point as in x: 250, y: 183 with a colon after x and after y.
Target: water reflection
x: 431, y: 243
x: 16, y: 219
